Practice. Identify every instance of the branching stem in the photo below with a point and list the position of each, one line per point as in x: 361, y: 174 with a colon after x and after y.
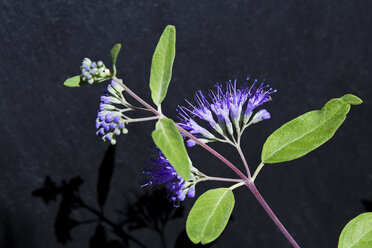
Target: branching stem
x: 245, y: 180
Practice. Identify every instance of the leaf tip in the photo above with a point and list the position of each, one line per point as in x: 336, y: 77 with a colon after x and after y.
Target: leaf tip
x: 116, y: 47
x: 351, y: 99
x: 114, y: 54
x: 171, y: 27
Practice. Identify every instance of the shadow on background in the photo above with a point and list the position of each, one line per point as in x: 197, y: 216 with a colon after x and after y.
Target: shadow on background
x: 367, y: 204
x: 150, y: 211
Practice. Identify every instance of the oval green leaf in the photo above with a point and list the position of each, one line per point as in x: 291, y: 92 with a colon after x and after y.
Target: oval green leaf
x: 114, y: 55
x: 167, y: 137
x: 307, y: 132
x: 162, y: 63
x: 357, y: 233
x: 209, y: 215
x: 74, y: 82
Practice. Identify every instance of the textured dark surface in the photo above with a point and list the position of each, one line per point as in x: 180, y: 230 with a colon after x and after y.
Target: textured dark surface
x: 310, y: 51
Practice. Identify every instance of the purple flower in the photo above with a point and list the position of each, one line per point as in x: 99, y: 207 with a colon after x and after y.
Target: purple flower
x: 227, y: 112
x: 162, y: 173
x: 110, y: 121
x: 257, y: 97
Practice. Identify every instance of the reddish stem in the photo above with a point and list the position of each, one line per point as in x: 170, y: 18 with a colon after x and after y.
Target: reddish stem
x: 244, y: 160
x: 215, y: 153
x: 247, y: 180
x: 268, y: 210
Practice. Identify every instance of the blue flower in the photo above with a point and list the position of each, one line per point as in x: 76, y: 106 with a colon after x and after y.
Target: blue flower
x: 162, y: 173
x: 110, y: 120
x: 228, y: 112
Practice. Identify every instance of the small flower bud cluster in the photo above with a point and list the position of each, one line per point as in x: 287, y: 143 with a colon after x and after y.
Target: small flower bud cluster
x: 93, y: 71
x: 110, y: 121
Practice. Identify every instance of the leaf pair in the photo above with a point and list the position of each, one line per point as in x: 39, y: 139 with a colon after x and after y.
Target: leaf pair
x: 166, y: 135
x: 212, y: 210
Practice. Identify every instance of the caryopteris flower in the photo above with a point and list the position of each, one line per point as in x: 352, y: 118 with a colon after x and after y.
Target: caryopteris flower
x: 110, y: 120
x: 228, y: 112
x: 93, y: 72
x: 162, y: 173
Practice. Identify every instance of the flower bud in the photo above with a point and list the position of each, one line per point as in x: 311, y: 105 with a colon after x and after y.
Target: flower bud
x: 260, y: 115
x: 92, y: 72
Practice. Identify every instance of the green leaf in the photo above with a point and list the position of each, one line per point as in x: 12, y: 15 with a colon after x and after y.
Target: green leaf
x: 114, y: 55
x: 162, y: 63
x: 307, y: 132
x: 351, y: 99
x: 209, y: 215
x: 74, y: 82
x: 357, y: 233
x: 167, y: 137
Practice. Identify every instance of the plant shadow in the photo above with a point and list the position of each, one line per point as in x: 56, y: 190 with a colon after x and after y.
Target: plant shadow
x: 151, y: 211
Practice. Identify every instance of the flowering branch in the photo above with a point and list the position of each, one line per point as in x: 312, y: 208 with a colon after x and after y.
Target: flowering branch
x: 228, y: 113
x: 246, y: 180
x: 208, y: 148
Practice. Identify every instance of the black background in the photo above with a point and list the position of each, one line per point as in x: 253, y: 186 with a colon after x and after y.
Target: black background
x: 311, y: 51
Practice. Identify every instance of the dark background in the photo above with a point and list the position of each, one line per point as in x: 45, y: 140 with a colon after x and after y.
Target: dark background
x: 311, y: 51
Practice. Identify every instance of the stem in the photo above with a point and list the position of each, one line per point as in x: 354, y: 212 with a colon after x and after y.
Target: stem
x: 139, y: 99
x: 125, y: 110
x: 237, y: 185
x: 220, y: 179
x: 141, y: 109
x: 244, y: 160
x: 257, y: 171
x: 215, y: 153
x: 247, y: 181
x: 268, y: 210
x: 208, y: 148
x: 143, y: 119
x: 225, y: 141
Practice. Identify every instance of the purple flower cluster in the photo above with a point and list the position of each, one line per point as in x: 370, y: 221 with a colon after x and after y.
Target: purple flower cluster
x: 163, y: 173
x: 93, y: 72
x: 226, y: 110
x: 110, y: 121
